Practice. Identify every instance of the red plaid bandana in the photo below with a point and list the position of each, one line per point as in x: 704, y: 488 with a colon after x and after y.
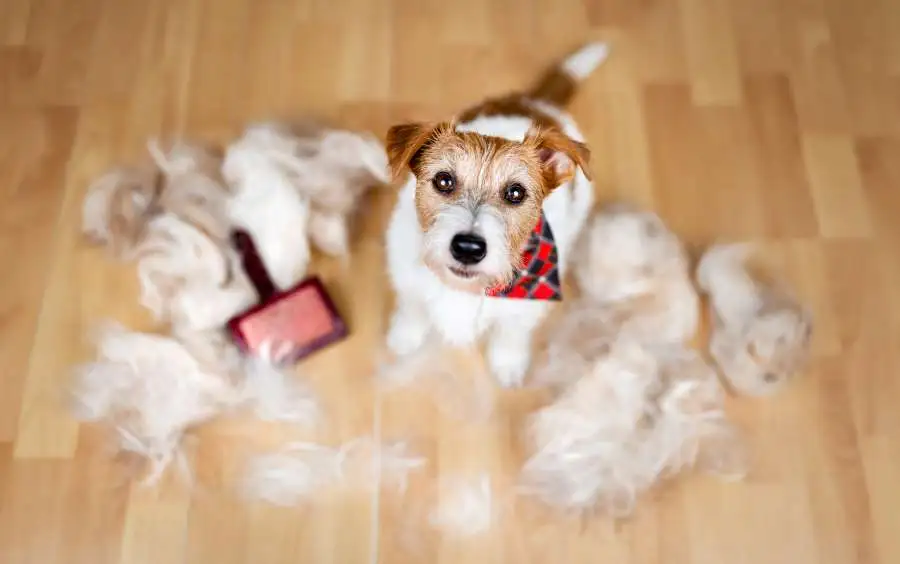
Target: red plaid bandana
x: 538, y: 277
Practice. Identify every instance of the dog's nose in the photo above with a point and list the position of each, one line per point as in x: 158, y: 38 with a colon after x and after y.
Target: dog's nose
x: 468, y: 248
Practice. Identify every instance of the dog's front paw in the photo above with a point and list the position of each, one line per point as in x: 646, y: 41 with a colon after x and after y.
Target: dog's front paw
x: 508, y: 363
x: 406, y: 334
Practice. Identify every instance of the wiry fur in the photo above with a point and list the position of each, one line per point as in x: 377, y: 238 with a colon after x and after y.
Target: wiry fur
x: 193, y: 188
x: 639, y: 414
x: 172, y: 219
x: 187, y: 278
x: 760, y: 336
x: 523, y: 139
x: 117, y: 207
x: 330, y: 168
x: 301, y: 470
x: 152, y: 389
x: 628, y: 258
x: 635, y: 284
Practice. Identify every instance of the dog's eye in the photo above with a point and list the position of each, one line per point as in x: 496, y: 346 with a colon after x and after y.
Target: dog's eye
x: 444, y: 182
x: 514, y: 194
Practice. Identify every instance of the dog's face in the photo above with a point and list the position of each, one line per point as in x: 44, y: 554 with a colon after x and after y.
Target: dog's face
x: 477, y: 197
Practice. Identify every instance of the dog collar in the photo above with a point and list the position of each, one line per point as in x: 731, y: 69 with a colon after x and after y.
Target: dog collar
x: 538, y: 276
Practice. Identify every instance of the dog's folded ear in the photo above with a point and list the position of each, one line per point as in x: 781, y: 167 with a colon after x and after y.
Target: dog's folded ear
x: 559, y: 154
x: 406, y: 143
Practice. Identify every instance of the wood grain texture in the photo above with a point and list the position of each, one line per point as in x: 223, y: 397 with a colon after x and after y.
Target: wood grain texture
x: 774, y: 120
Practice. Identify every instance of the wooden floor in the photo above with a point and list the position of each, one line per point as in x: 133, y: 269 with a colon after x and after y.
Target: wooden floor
x: 776, y: 120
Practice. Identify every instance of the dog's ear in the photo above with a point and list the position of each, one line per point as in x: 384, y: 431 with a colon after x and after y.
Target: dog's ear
x: 405, y: 142
x: 559, y: 155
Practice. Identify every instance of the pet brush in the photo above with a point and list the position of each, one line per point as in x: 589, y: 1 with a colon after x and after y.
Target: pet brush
x: 297, y: 322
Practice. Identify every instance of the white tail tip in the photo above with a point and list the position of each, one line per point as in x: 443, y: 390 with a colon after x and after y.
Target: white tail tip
x: 582, y: 63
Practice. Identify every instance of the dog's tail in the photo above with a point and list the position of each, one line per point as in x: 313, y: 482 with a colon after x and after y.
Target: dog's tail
x: 559, y: 84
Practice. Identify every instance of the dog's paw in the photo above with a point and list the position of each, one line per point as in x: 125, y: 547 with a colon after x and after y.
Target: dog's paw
x: 406, y: 335
x: 508, y: 363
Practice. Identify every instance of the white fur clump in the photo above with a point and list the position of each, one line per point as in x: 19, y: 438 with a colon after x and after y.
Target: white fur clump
x: 630, y: 261
x: 465, y: 507
x: 330, y: 168
x: 301, y: 470
x: 188, y: 278
x: 193, y: 188
x: 635, y: 284
x: 292, y: 476
x: 268, y: 204
x: 117, y: 206
x: 641, y: 413
x: 274, y: 395
x: 339, y: 167
x: 152, y: 389
x: 760, y: 336
x: 171, y: 218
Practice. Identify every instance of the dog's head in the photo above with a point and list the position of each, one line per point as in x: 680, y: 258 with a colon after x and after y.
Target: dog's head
x: 479, y: 197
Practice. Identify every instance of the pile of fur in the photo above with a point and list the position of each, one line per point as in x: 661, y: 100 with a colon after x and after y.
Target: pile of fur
x: 760, y: 335
x: 634, y: 403
x: 330, y: 168
x: 640, y: 414
x: 174, y: 217
x: 153, y: 389
x: 635, y: 282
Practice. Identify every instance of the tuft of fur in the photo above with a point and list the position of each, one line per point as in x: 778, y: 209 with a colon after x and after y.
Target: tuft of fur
x: 635, y: 284
x: 330, y: 168
x: 273, y: 395
x: 627, y: 259
x: 267, y: 202
x: 465, y: 506
x: 152, y: 390
x: 301, y: 470
x: 640, y: 414
x: 291, y: 476
x: 193, y: 188
x: 188, y: 278
x: 117, y: 207
x: 172, y: 219
x: 760, y: 336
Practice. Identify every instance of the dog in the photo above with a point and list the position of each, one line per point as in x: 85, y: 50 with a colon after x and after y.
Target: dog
x: 483, y: 226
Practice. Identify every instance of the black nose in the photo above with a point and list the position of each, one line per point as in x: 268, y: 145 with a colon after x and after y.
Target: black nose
x: 468, y: 248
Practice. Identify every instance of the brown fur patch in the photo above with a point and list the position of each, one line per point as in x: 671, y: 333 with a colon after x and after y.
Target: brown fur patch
x: 552, y: 144
x: 555, y: 87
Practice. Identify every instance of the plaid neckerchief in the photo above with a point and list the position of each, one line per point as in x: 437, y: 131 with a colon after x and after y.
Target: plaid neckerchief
x: 538, y: 277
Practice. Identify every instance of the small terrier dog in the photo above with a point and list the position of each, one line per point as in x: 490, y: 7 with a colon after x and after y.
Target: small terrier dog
x: 483, y: 227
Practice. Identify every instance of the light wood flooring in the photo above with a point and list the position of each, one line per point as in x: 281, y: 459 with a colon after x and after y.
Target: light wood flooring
x: 772, y: 120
